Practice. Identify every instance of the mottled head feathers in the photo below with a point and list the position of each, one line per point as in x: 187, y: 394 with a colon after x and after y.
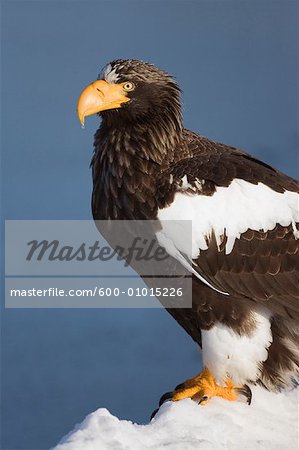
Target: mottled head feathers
x: 155, y: 97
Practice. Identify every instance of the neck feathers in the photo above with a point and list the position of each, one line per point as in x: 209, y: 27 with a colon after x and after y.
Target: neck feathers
x: 126, y: 162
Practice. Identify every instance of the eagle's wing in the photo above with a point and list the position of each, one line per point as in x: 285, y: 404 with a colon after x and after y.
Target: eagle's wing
x: 244, y: 217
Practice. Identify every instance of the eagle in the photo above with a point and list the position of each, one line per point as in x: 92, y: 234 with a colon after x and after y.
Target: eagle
x: 245, y: 228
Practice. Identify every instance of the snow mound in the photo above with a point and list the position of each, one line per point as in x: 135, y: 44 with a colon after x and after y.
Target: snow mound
x: 270, y: 422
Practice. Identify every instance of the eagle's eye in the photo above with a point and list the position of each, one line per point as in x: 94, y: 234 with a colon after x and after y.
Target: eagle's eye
x: 128, y: 86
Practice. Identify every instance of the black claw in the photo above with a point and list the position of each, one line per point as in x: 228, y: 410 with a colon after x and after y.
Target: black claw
x: 203, y: 399
x: 154, y: 413
x: 249, y: 394
x: 246, y: 391
x: 165, y: 397
x: 179, y: 386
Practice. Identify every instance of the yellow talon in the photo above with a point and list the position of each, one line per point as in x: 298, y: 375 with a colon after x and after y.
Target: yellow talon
x: 203, y: 387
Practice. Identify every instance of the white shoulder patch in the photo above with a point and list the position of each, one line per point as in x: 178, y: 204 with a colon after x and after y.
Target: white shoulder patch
x: 175, y: 241
x: 195, y: 187
x: 231, y: 210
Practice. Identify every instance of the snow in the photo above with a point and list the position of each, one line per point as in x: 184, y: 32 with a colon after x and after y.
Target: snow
x: 270, y: 423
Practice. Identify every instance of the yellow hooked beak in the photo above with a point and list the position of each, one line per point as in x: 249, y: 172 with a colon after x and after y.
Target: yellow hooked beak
x: 100, y: 96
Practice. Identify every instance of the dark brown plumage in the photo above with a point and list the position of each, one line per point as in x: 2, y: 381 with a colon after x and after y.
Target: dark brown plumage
x: 143, y: 158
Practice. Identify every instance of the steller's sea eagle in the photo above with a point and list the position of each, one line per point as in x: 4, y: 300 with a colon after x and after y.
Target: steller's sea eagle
x: 245, y: 217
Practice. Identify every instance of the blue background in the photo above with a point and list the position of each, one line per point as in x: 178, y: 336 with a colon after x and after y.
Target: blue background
x: 236, y: 62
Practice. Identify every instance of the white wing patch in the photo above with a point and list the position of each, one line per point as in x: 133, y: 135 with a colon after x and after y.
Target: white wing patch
x: 180, y: 239
x: 230, y: 210
x: 195, y: 187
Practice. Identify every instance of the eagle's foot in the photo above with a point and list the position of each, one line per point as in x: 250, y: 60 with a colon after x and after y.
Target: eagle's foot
x: 203, y: 387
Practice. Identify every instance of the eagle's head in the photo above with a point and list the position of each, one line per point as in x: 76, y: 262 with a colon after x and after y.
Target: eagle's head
x: 130, y: 90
